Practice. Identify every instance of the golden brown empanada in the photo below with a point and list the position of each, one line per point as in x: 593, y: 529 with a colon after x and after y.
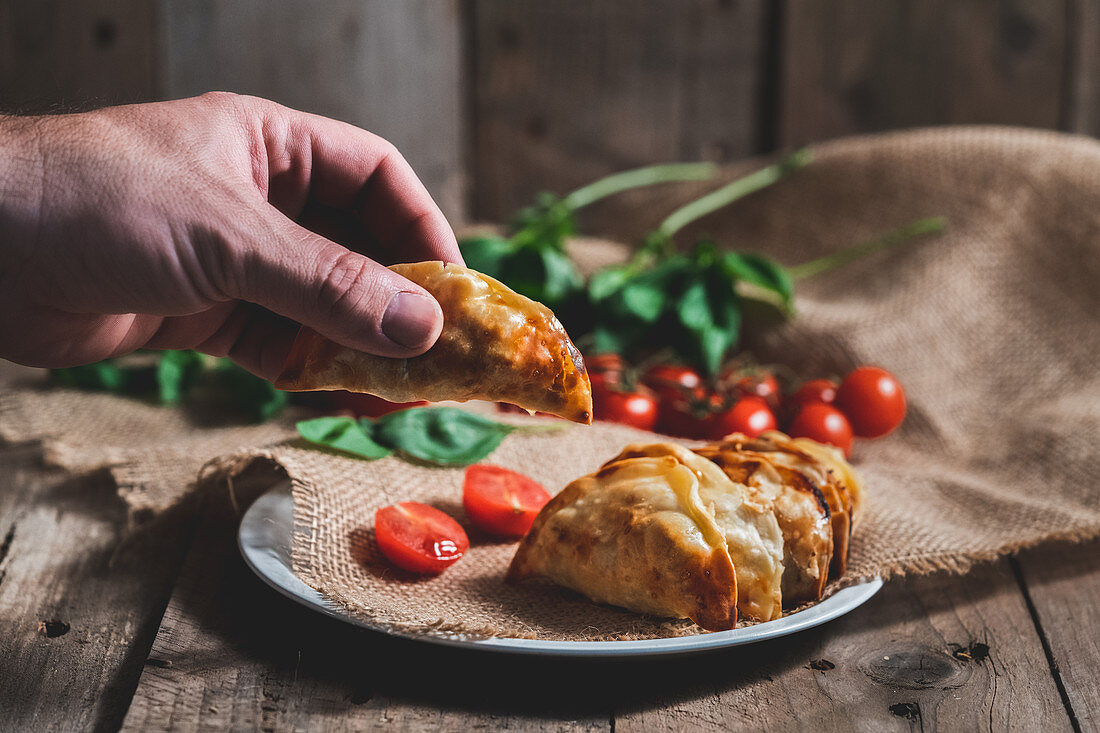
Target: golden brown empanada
x: 663, y: 531
x: 825, y: 467
x: 495, y: 345
x: 801, y: 510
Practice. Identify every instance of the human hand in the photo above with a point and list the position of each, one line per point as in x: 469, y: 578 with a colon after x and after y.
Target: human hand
x: 217, y: 223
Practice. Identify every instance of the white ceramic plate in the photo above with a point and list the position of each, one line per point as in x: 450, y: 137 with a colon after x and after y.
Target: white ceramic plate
x: 265, y: 538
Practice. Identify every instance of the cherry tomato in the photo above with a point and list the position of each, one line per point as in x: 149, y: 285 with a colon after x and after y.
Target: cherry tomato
x: 501, y: 502
x: 419, y: 538
x: 823, y: 423
x: 765, y: 386
x: 671, y: 381
x: 367, y: 405
x: 637, y: 408
x: 873, y: 400
x: 815, y: 390
x: 604, y: 363
x: 750, y: 415
x: 690, y: 415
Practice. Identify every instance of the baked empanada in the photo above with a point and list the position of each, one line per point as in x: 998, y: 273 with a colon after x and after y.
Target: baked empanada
x: 825, y: 467
x: 801, y: 510
x: 660, y: 530
x: 495, y: 345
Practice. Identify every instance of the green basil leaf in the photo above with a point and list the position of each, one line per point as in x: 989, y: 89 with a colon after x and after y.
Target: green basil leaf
x: 694, y: 308
x: 607, y: 281
x: 610, y: 340
x: 714, y: 342
x: 102, y: 376
x: 243, y: 392
x: 176, y: 371
x: 644, y: 301
x: 561, y: 277
x: 343, y: 434
x: 760, y: 271
x: 446, y: 436
x: 486, y: 254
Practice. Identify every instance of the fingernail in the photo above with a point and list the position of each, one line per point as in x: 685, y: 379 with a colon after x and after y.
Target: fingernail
x: 410, y: 320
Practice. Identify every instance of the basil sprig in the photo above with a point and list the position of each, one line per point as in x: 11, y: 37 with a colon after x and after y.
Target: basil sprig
x: 532, y: 260
x: 444, y: 436
x: 180, y: 377
x: 694, y: 301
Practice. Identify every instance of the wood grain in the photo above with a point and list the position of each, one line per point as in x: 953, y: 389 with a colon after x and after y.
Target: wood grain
x: 1063, y: 585
x: 865, y: 65
x: 951, y: 653
x: 71, y: 54
x: 232, y: 653
x: 80, y: 596
x: 566, y: 92
x: 392, y: 68
x: 1083, y: 82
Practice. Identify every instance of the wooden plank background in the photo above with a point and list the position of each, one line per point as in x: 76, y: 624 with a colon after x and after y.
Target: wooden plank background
x: 493, y: 100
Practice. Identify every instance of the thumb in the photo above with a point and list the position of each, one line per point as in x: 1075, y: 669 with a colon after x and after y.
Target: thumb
x: 341, y: 294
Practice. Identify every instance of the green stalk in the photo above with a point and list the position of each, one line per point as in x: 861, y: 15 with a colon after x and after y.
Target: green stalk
x: 832, y: 261
x: 729, y: 193
x: 637, y: 178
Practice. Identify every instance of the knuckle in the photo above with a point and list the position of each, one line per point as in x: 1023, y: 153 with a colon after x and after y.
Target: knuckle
x: 349, y: 286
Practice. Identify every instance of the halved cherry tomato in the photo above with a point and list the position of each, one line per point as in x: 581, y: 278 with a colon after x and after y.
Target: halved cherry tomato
x: 367, y: 405
x: 815, y: 390
x: 501, y: 502
x: 637, y: 408
x: 873, y: 400
x: 671, y: 381
x: 419, y: 538
x: 750, y: 415
x: 823, y: 423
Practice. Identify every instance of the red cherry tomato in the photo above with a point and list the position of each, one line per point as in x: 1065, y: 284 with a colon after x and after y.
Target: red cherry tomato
x: 604, y: 363
x: 690, y: 415
x: 501, y: 502
x: 638, y: 408
x: 873, y: 400
x: 419, y: 538
x: 765, y: 386
x: 750, y: 415
x: 672, y: 381
x: 823, y: 423
x: 815, y: 390
x: 367, y: 405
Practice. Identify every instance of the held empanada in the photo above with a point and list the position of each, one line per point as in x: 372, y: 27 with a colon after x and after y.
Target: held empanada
x: 663, y: 531
x: 495, y: 345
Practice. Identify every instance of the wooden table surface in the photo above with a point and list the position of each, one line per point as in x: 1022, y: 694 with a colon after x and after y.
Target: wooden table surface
x: 165, y: 628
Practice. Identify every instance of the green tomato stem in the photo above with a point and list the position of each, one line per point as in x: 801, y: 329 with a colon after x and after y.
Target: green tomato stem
x: 930, y: 225
x: 729, y: 193
x: 637, y: 178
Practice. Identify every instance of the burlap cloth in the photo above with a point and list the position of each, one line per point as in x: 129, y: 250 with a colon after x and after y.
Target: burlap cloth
x: 993, y: 329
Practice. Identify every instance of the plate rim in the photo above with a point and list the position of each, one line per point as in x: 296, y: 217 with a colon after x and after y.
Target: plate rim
x: 291, y: 586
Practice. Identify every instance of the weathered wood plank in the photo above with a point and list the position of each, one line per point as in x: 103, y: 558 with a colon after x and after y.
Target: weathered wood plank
x: 392, y: 68
x: 80, y: 598
x: 951, y: 653
x: 568, y: 91
x: 1063, y: 584
x: 65, y: 54
x: 233, y: 654
x: 1083, y: 105
x: 866, y: 65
